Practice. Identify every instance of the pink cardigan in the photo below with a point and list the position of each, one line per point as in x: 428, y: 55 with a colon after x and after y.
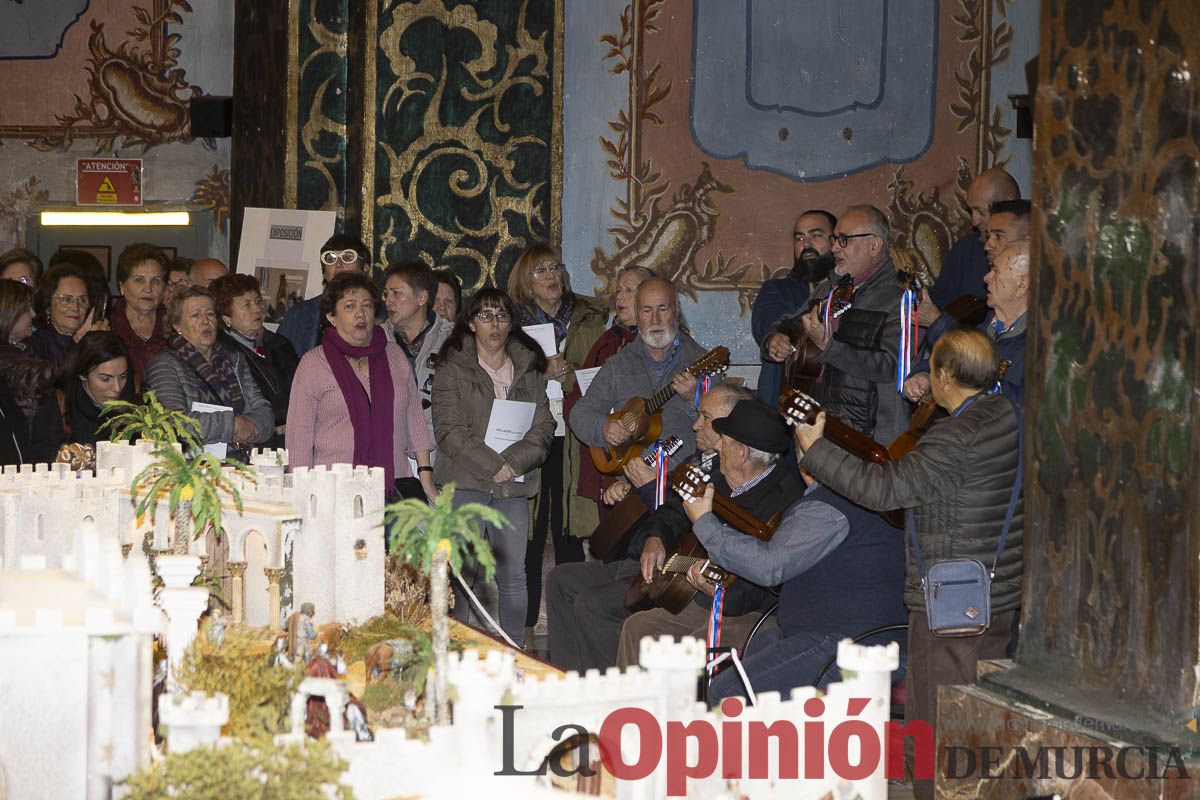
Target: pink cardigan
x: 319, y: 430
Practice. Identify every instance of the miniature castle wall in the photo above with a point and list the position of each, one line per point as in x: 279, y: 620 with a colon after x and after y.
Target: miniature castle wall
x: 317, y: 518
x: 42, y: 507
x: 665, y: 687
x: 75, y: 669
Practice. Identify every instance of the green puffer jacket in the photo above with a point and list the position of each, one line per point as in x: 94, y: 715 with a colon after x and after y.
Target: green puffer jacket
x: 462, y: 404
x: 958, y: 482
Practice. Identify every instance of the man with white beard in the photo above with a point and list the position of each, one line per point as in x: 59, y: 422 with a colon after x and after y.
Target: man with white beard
x: 652, y: 361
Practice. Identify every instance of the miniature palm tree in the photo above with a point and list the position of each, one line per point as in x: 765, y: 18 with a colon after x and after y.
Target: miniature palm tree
x: 431, y: 537
x: 150, y: 421
x: 193, y: 486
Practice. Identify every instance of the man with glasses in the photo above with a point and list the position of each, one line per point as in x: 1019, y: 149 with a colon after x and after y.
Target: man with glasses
x: 812, y: 259
x: 341, y: 253
x: 860, y: 351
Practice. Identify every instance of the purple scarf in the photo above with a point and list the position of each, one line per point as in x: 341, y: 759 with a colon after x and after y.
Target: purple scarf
x: 218, y: 378
x: 372, y: 417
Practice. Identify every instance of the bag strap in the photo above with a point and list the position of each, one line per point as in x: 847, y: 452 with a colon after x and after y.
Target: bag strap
x: 911, y: 528
x: 1016, y: 492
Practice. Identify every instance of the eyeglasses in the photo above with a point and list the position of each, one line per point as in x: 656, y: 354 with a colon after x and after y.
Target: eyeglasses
x: 489, y: 317
x: 842, y: 239
x: 331, y: 257
x: 70, y: 300
x: 553, y: 269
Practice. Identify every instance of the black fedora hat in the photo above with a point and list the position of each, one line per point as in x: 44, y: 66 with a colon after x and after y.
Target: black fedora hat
x: 755, y: 425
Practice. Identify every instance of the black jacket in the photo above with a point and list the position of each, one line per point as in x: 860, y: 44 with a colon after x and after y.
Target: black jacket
x: 958, y: 481
x: 668, y: 522
x: 273, y: 372
x: 14, y: 430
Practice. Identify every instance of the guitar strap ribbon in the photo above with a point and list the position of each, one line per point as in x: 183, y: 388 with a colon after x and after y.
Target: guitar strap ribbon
x: 714, y: 625
x: 909, y: 334
x: 827, y: 311
x: 660, y: 473
x: 703, y: 384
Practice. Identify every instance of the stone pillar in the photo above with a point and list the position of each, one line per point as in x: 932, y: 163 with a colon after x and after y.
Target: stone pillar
x: 273, y: 578
x: 237, y: 572
x: 1110, y: 639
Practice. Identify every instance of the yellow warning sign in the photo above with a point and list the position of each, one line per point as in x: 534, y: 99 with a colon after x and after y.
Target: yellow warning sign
x: 106, y: 192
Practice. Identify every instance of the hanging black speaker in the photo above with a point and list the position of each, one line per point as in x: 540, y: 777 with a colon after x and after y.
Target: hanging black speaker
x: 211, y: 117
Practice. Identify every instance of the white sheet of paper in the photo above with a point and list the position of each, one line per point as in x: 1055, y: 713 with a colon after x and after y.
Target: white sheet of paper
x: 544, y: 335
x: 583, y: 377
x: 509, y: 422
x: 218, y: 449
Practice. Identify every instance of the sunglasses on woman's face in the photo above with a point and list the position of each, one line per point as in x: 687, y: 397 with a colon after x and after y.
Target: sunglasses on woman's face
x: 331, y: 257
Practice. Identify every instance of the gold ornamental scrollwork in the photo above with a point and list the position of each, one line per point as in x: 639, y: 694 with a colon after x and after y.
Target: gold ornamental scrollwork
x: 483, y: 170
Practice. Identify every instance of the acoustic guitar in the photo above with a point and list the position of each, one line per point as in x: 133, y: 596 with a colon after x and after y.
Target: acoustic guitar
x: 802, y: 368
x: 797, y: 407
x: 670, y: 588
x: 642, y: 417
x: 613, y: 533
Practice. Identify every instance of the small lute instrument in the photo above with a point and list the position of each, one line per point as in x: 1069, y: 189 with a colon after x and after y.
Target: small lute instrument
x: 670, y: 588
x: 802, y: 368
x: 614, y: 531
x: 642, y: 417
x: 797, y: 407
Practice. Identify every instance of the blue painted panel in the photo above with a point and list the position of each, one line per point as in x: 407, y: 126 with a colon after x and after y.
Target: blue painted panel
x: 36, y: 30
x: 814, y: 90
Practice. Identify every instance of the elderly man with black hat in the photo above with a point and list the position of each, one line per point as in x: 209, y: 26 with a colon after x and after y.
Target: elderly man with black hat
x: 585, y: 602
x: 749, y: 442
x: 840, y: 569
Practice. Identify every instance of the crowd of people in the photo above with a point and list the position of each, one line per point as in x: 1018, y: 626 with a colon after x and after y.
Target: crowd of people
x: 404, y: 375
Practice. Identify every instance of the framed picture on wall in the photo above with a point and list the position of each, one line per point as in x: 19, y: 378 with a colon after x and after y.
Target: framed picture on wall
x: 101, y: 252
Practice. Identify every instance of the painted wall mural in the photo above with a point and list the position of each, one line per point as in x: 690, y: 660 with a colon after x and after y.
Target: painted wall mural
x: 85, y: 77
x: 695, y: 131
x: 429, y: 125
x: 463, y: 122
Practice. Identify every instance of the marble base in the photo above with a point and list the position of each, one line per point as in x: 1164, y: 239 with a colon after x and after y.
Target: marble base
x: 1075, y: 761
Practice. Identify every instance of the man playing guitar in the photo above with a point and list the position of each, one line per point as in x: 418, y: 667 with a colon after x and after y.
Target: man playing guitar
x: 860, y: 351
x: 750, y: 443
x: 585, y: 602
x: 654, y: 360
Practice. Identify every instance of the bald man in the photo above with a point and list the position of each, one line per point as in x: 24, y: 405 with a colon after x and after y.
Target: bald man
x: 959, y: 483
x: 654, y: 360
x: 860, y: 351
x: 1008, y: 300
x: 207, y: 270
x: 965, y: 265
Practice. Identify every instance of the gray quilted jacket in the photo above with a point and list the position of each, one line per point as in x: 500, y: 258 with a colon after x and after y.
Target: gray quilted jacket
x: 177, y: 386
x: 958, y: 481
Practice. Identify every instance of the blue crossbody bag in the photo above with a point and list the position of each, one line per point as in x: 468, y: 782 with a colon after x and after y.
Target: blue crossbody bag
x: 958, y: 591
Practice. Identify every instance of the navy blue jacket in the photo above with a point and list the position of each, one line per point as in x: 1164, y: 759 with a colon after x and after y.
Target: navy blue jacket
x: 962, y: 272
x: 776, y: 298
x: 1010, y: 347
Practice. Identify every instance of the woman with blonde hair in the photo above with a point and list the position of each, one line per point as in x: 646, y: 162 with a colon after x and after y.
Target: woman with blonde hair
x: 541, y: 290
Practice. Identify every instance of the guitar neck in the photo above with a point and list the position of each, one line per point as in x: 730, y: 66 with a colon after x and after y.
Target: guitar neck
x: 854, y: 441
x: 733, y: 514
x: 660, y: 398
